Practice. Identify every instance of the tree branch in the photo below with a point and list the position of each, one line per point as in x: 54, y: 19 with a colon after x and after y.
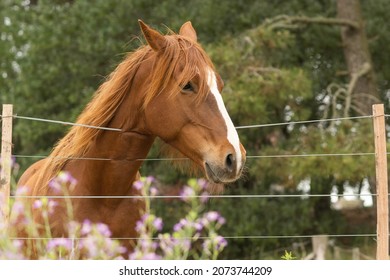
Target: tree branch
x: 291, y: 22
x: 351, y: 86
x: 345, y: 94
x: 329, y: 21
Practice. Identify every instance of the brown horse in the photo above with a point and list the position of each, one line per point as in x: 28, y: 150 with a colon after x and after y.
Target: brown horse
x: 167, y: 89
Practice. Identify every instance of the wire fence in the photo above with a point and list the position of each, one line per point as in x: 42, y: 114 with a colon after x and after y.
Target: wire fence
x: 226, y: 237
x: 65, y: 123
x: 303, y: 122
x: 303, y: 196
x: 237, y: 127
x: 183, y: 158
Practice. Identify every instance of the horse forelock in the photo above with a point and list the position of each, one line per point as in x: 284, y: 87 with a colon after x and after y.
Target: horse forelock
x: 178, y: 63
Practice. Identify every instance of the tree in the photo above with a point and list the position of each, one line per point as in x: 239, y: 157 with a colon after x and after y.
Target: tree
x: 362, y: 89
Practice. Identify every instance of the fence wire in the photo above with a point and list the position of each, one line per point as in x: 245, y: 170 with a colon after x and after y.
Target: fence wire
x: 302, y: 122
x: 237, y: 127
x: 190, y: 196
x: 204, y: 237
x: 179, y: 159
x: 210, y: 196
x: 183, y: 159
x: 65, y: 123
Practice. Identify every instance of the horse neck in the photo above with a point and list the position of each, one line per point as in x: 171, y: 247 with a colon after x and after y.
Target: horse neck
x: 116, y: 175
x: 123, y: 149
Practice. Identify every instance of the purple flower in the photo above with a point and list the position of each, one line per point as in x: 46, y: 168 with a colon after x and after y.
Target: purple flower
x: 198, y: 226
x: 186, y: 193
x: 18, y: 244
x: 51, y: 205
x: 19, y: 217
x: 154, y: 245
x: 182, y: 223
x: 203, y: 184
x: 204, y: 197
x: 18, y: 207
x: 145, y: 244
x: 65, y: 178
x: 158, y: 224
x: 139, y: 226
x: 221, y: 221
x: 103, y: 229
x: 153, y: 191
x: 90, y: 245
x: 149, y: 180
x: 86, y: 227
x: 121, y: 250
x: 151, y: 256
x: 177, y: 227
x: 166, y: 242
x: 212, y: 216
x: 55, y: 186
x: 220, y: 242
x: 138, y: 185
x: 59, y: 242
x: 37, y: 204
x: 23, y: 190
x: 134, y: 255
x: 185, y: 244
x: 12, y: 255
x: 145, y: 217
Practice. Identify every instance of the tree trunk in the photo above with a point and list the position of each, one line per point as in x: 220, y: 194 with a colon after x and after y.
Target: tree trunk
x: 364, y: 93
x: 357, y: 54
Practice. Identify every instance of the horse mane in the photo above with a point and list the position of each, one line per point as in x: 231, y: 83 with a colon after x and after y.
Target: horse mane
x: 180, y: 55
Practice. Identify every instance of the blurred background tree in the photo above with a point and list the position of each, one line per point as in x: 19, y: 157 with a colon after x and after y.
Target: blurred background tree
x: 276, y: 68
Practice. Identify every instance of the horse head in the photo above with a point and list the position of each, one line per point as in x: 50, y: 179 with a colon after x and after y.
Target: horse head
x: 183, y: 104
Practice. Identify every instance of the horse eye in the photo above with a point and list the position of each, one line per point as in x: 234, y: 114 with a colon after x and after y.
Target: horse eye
x: 188, y: 87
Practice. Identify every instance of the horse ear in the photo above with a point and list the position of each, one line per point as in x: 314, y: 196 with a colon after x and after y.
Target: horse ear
x: 188, y: 31
x: 155, y: 40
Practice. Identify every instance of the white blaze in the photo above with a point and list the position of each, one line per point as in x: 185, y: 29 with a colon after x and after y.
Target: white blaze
x: 232, y: 135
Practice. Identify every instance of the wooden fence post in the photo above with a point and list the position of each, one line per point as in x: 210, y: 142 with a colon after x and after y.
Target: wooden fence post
x: 6, y: 161
x: 320, y: 245
x: 382, y: 191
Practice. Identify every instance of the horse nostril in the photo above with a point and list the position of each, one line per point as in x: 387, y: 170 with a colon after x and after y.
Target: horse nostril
x: 230, y: 162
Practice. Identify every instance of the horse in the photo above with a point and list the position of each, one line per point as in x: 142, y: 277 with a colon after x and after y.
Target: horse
x: 168, y: 88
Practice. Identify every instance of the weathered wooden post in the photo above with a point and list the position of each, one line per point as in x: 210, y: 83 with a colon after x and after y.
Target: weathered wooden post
x: 382, y: 252
x: 6, y: 161
x: 320, y: 245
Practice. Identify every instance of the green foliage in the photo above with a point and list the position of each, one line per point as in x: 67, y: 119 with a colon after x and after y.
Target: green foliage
x: 61, y: 56
x: 261, y: 217
x: 288, y: 256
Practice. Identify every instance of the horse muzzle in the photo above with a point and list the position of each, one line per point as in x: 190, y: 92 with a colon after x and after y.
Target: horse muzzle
x: 227, y: 171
